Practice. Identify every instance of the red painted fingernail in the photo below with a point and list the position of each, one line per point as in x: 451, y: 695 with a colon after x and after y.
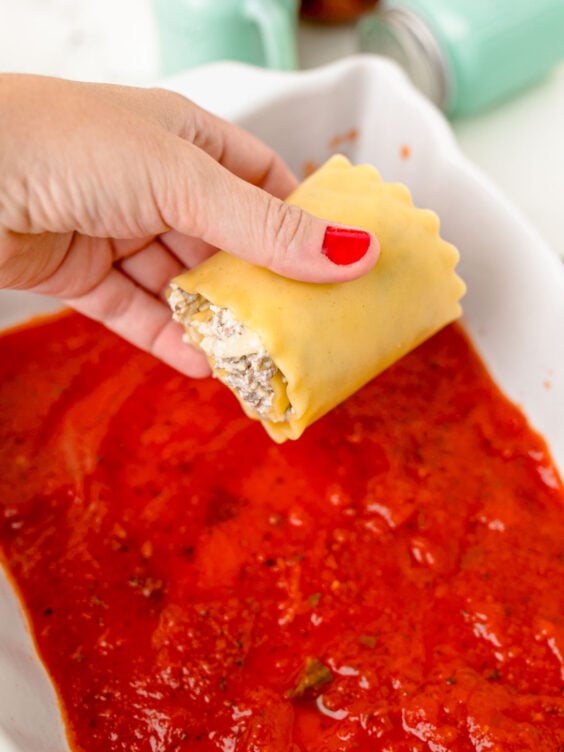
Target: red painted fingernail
x: 344, y: 245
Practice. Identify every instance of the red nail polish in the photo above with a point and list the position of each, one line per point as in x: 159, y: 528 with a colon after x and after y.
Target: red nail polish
x: 344, y: 245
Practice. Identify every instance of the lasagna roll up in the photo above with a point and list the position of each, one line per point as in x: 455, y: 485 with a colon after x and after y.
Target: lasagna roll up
x: 291, y: 351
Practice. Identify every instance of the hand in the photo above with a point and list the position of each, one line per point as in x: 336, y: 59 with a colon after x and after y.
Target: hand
x: 106, y: 192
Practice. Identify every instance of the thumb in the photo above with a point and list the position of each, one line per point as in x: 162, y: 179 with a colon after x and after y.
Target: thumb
x: 231, y: 214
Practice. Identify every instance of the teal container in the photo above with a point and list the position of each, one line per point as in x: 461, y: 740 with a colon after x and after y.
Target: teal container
x: 467, y: 55
x: 196, y: 32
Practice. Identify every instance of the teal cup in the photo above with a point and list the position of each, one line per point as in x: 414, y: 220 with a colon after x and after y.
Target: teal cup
x: 258, y: 32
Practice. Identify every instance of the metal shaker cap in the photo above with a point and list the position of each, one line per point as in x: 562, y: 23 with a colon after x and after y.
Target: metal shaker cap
x: 401, y: 35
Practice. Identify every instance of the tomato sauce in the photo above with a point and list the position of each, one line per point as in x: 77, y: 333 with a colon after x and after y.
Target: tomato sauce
x: 392, y: 581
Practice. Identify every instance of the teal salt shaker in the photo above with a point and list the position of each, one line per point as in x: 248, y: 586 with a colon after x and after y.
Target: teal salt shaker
x: 468, y: 55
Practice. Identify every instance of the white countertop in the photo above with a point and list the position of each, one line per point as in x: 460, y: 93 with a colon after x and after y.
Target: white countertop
x: 519, y: 145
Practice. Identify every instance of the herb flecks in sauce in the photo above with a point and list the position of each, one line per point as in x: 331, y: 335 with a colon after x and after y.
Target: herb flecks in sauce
x: 399, y: 567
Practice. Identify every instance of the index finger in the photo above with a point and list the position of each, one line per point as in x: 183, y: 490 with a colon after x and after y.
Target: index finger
x: 142, y: 319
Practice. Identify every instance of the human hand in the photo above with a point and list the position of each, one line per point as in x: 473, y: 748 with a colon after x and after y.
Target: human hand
x: 107, y: 192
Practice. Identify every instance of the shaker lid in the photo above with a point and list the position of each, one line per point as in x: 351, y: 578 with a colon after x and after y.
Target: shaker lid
x: 400, y: 34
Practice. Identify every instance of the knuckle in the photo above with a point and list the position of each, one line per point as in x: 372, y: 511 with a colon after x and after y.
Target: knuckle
x: 284, y: 226
x: 175, y: 111
x: 206, y: 134
x: 168, y: 97
x: 161, y: 93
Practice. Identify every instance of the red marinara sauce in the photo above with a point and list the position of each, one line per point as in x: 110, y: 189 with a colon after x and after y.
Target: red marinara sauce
x: 392, y: 581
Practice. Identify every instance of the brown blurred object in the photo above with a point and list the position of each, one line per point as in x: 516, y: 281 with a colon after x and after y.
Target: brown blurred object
x: 335, y: 11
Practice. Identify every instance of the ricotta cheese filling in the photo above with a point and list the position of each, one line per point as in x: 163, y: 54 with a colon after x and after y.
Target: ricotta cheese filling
x: 236, y: 355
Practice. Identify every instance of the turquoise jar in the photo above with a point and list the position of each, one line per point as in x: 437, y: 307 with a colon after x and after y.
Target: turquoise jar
x: 467, y: 55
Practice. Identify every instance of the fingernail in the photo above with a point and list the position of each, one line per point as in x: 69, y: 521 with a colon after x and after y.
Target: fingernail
x: 344, y: 245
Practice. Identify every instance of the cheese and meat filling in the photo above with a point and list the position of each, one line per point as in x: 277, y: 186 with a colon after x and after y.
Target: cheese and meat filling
x: 236, y: 355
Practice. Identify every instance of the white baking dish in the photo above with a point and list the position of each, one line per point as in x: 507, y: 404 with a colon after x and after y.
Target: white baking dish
x: 514, y: 308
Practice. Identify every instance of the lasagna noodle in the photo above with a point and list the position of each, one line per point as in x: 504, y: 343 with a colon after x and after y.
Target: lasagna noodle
x: 313, y: 345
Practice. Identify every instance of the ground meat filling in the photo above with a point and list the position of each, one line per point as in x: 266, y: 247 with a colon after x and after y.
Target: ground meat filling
x: 236, y: 355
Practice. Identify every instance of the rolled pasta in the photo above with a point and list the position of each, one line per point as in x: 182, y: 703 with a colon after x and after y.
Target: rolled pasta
x: 291, y: 351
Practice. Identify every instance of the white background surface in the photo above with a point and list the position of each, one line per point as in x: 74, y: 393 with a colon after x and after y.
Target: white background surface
x: 520, y: 144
